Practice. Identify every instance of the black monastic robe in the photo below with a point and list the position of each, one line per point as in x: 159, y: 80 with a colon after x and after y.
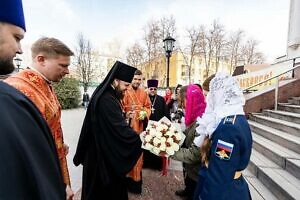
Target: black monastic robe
x: 160, y: 110
x: 29, y: 167
x: 108, y: 148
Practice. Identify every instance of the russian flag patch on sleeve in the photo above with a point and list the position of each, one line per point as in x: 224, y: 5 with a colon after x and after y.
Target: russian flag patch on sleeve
x: 224, y: 150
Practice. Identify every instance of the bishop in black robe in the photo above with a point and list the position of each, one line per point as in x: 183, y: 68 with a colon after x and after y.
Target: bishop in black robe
x: 108, y: 147
x: 29, y: 167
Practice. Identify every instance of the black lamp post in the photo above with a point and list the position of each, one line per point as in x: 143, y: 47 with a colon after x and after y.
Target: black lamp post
x: 168, y: 45
x: 18, y: 63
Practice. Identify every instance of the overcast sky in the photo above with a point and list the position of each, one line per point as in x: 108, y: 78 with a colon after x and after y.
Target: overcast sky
x: 103, y: 21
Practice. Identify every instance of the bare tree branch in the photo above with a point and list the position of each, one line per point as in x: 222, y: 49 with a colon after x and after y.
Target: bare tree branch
x: 154, y: 33
x: 250, y: 53
x: 84, y: 60
x: 234, y: 49
x: 191, y: 50
x: 218, y: 42
x: 135, y: 55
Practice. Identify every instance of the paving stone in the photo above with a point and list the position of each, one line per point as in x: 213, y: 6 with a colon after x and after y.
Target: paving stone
x: 155, y: 186
x: 153, y: 182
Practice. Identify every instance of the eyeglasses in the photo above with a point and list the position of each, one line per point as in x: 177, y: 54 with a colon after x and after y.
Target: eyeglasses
x: 153, y: 89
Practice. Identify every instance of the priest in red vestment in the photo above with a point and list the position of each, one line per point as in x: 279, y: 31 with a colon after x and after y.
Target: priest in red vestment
x: 51, y: 59
x: 138, y: 103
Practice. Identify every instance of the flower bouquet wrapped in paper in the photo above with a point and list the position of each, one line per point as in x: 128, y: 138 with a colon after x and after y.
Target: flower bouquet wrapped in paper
x: 162, y: 138
x: 142, y: 115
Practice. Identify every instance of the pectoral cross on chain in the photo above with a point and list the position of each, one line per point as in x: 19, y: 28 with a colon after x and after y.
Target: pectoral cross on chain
x: 152, y: 109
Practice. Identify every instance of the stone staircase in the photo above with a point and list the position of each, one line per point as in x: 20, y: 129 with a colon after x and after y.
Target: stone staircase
x: 274, y: 168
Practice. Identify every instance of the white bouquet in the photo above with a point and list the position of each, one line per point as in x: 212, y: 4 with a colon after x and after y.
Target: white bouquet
x: 162, y: 138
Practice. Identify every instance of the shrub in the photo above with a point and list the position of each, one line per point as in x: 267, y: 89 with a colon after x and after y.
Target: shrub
x: 68, y: 92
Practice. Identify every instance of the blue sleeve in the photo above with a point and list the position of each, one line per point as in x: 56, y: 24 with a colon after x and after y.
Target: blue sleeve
x: 223, y: 162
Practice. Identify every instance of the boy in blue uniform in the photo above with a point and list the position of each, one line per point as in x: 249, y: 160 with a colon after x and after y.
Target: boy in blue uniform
x: 230, y: 143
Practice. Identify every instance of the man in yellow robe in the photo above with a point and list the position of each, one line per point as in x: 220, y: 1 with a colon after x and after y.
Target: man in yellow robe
x: 136, y: 101
x: 51, y: 59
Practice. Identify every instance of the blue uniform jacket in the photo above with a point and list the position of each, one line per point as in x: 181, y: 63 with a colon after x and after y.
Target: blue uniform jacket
x: 230, y: 152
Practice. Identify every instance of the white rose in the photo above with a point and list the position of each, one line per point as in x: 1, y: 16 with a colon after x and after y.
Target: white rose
x: 156, y: 141
x: 158, y: 134
x: 170, y: 141
x: 159, y: 128
x: 178, y: 136
x: 162, y: 147
x: 175, y: 146
x: 173, y: 129
x: 152, y: 132
x: 152, y: 125
x: 156, y: 150
x: 148, y: 138
x: 170, y: 151
x: 165, y: 127
x: 168, y: 133
x: 163, y: 139
x: 148, y: 146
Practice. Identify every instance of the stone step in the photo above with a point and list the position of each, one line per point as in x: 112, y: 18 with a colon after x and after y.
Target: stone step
x: 289, y: 107
x: 285, y: 126
x: 296, y: 98
x: 259, y: 160
x: 281, y: 183
x: 257, y: 189
x: 293, y: 166
x: 273, y: 151
x: 294, y: 101
x: 282, y: 138
x: 283, y: 115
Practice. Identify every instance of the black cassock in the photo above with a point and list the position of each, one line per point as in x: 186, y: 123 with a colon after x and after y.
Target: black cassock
x: 108, y: 148
x: 29, y: 167
x: 160, y: 110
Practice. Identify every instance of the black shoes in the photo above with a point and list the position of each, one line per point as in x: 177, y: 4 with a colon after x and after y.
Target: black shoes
x: 181, y: 193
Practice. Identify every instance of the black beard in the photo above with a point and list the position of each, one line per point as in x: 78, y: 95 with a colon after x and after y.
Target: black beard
x: 6, y: 67
x: 120, y: 94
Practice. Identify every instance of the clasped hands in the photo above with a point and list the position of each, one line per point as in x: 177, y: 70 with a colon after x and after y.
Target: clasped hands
x: 130, y: 115
x: 142, y: 115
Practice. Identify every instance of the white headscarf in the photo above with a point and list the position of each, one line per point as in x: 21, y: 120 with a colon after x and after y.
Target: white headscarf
x: 225, y: 98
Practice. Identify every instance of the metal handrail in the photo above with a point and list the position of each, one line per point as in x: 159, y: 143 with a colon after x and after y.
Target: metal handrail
x: 277, y: 80
x: 294, y: 67
x: 282, y: 61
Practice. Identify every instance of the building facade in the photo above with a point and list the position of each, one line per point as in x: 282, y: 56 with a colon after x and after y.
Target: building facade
x: 179, y: 70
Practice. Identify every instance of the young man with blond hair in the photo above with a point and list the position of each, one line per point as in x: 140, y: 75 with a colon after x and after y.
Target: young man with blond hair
x: 50, y: 62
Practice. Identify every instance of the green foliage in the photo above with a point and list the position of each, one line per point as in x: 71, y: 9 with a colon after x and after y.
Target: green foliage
x: 68, y: 93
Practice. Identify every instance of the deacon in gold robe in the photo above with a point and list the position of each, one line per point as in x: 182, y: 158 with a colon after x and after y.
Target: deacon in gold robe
x: 51, y: 59
x: 137, y: 102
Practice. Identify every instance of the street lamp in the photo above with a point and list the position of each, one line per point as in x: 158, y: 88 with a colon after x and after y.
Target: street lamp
x: 168, y: 46
x: 18, y: 63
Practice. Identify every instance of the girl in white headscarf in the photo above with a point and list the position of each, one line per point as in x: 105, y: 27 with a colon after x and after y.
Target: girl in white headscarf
x: 225, y: 140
